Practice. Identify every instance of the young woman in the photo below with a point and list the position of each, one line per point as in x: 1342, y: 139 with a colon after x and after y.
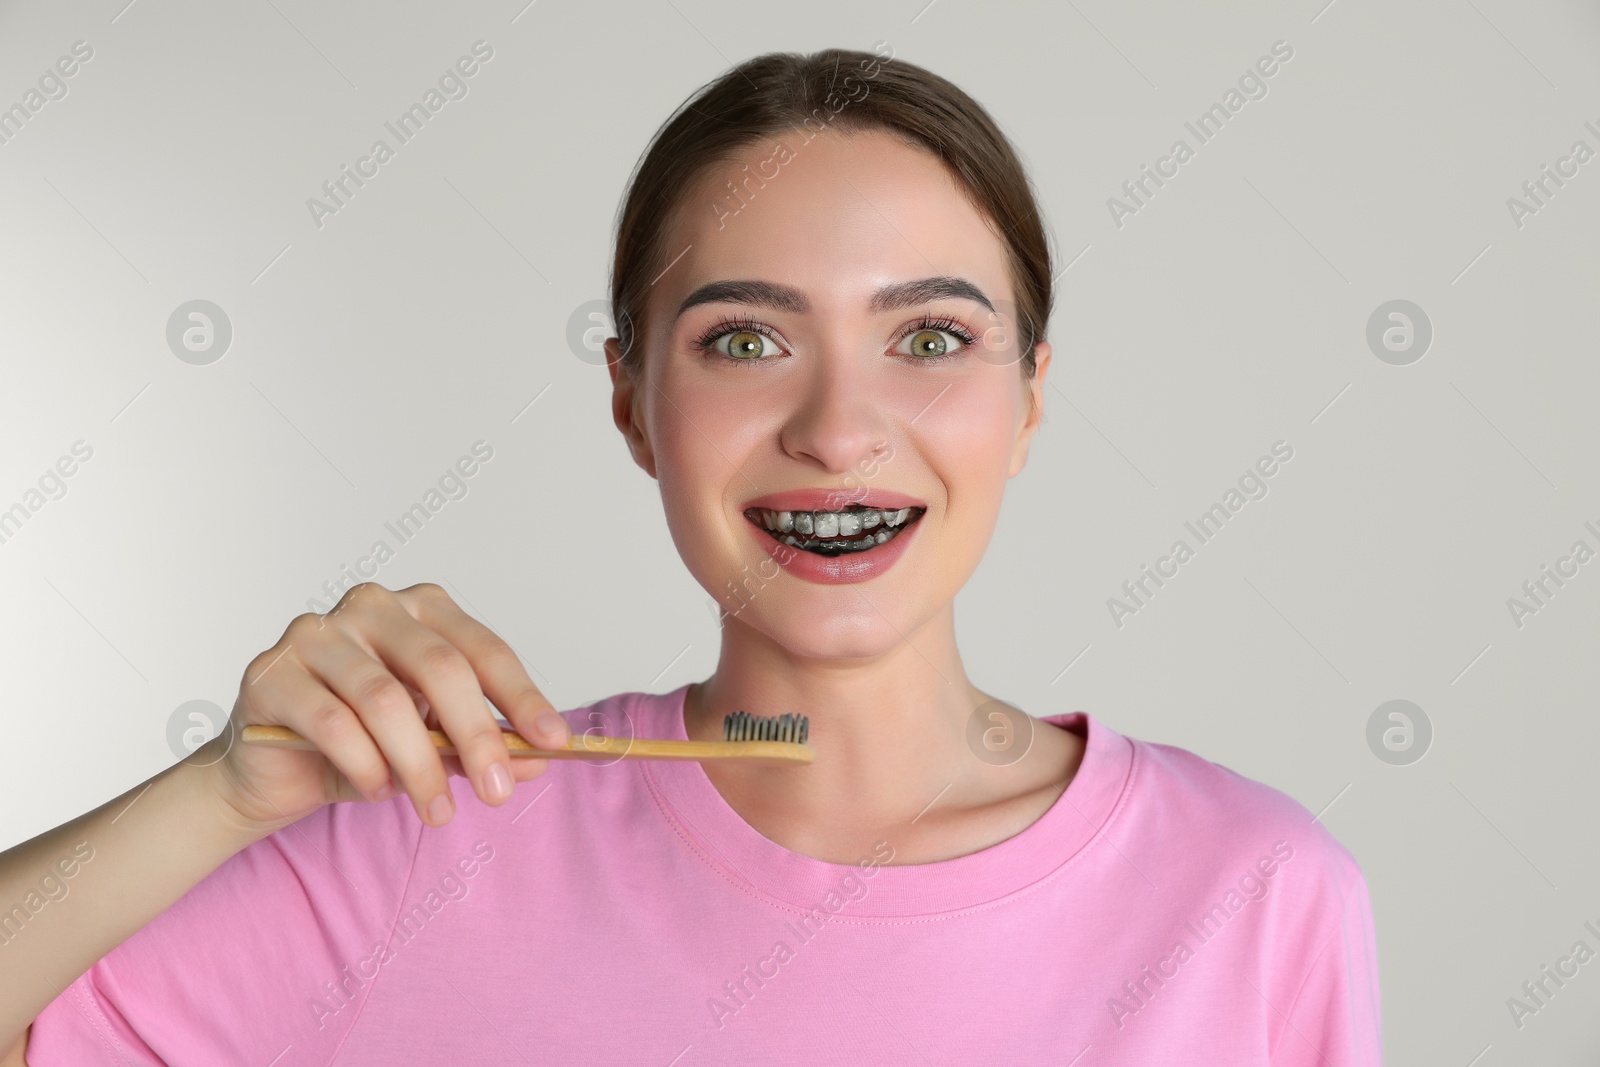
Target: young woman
x: 831, y: 286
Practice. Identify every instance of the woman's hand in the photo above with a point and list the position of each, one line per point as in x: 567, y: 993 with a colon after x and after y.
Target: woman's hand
x: 366, y: 682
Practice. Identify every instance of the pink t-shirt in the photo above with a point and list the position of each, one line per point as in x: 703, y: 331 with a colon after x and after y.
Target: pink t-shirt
x: 1165, y: 910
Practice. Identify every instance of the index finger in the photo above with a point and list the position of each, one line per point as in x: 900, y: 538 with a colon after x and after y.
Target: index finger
x: 500, y: 671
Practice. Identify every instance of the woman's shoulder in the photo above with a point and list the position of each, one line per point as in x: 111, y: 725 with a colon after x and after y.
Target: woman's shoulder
x: 1202, y: 806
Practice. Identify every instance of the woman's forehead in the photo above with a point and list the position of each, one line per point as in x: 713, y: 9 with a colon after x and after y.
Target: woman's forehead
x: 837, y: 220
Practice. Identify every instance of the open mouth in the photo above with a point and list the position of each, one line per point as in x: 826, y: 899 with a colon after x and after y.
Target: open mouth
x: 835, y: 533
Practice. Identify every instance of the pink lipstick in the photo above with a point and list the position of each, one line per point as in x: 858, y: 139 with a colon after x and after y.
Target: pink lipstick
x: 832, y: 536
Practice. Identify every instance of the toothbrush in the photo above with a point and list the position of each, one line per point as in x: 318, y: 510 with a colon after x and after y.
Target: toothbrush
x: 765, y: 740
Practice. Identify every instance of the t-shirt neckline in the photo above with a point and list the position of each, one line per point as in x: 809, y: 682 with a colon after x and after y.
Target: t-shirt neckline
x: 1016, y: 865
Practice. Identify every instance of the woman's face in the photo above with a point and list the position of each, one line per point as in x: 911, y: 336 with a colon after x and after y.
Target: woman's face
x: 834, y: 385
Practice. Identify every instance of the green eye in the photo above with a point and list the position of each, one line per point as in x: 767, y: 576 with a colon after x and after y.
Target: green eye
x: 738, y: 342
x: 928, y: 343
x: 746, y: 344
x: 935, y: 341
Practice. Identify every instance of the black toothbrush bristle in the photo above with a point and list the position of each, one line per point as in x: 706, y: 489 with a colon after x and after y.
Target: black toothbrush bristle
x: 743, y: 726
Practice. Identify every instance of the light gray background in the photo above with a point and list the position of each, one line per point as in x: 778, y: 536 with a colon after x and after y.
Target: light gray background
x: 1229, y: 313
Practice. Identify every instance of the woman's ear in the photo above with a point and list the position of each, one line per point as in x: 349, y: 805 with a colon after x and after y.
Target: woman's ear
x: 625, y: 407
x: 1034, y: 392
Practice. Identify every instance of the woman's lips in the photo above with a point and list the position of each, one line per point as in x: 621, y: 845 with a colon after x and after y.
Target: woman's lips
x: 844, y: 568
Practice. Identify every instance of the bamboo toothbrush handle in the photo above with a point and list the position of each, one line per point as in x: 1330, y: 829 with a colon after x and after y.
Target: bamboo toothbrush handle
x: 590, y: 747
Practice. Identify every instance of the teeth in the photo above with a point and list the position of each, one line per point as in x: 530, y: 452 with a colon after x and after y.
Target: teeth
x: 831, y: 523
x: 833, y: 533
x: 836, y: 547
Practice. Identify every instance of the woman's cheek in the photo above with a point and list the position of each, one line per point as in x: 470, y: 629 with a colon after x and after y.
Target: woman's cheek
x: 968, y: 432
x: 700, y: 452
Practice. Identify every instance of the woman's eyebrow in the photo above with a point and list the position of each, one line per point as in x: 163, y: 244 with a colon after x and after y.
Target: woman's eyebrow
x: 910, y: 294
x: 787, y: 298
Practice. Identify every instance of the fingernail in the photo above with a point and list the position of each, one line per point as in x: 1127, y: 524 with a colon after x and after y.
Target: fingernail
x: 550, y: 725
x: 497, y: 781
x: 385, y: 792
x: 440, y: 808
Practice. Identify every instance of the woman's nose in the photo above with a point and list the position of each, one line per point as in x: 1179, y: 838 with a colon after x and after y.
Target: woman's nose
x: 837, y: 420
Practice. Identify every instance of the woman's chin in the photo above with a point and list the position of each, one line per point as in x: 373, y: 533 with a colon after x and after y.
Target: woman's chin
x: 857, y: 638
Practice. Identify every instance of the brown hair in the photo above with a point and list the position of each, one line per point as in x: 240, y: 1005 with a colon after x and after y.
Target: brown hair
x: 845, y: 90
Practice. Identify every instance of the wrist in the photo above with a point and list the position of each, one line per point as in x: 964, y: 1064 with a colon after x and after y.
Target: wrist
x: 222, y: 824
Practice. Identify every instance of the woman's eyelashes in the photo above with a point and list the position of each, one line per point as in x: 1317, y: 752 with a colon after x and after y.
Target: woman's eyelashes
x: 736, y: 341
x: 928, y: 340
x: 927, y: 346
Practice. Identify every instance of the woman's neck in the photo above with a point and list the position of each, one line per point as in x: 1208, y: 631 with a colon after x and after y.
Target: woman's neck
x: 894, y: 760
